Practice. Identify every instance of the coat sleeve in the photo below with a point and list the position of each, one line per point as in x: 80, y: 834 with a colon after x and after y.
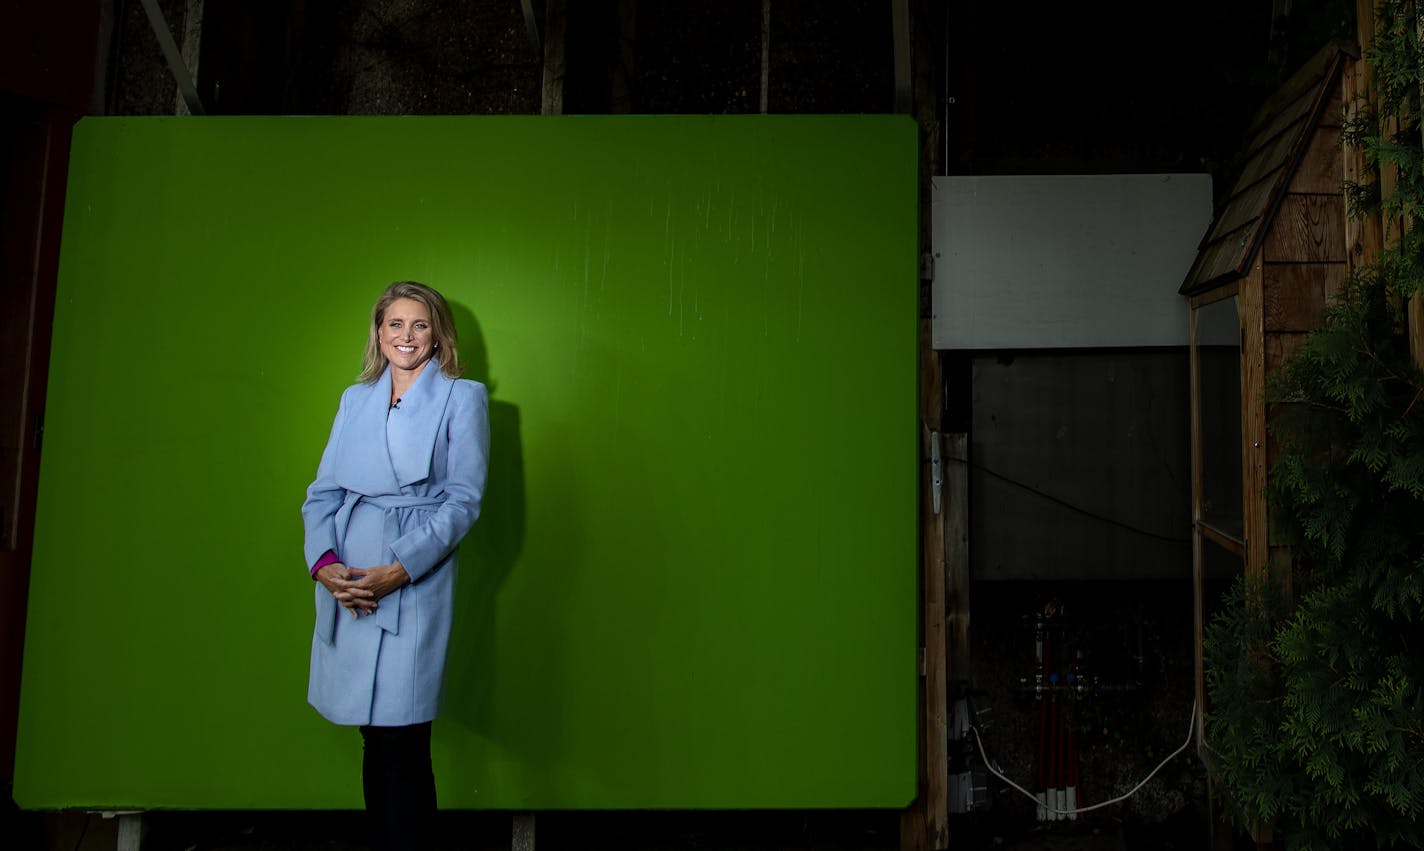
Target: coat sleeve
x: 467, y: 461
x: 324, y: 497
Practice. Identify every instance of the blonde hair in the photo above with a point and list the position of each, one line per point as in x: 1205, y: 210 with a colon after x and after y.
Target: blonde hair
x: 442, y: 327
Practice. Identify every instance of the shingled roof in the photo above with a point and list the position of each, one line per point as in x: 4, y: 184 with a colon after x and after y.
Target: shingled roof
x: 1279, y: 134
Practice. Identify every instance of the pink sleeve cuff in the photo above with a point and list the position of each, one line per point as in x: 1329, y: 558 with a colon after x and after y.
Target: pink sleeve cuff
x: 328, y: 557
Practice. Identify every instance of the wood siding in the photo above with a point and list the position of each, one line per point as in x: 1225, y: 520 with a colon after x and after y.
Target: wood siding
x: 1292, y: 172
x: 1304, y: 259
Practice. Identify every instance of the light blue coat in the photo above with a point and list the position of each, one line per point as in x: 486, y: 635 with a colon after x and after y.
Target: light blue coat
x: 394, y: 484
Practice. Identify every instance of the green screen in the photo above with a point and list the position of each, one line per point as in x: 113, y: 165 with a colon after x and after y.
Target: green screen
x: 694, y: 580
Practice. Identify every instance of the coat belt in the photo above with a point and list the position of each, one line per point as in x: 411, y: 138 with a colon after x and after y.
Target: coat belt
x: 388, y: 611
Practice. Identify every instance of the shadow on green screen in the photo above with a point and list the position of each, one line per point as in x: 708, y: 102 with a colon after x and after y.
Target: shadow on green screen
x: 488, y: 555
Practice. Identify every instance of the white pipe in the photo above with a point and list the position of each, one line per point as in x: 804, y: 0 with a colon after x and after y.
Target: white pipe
x: 1062, y: 811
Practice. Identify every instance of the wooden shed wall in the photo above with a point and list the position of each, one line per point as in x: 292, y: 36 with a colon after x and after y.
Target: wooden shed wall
x: 1303, y: 253
x: 1280, y: 136
x: 1301, y: 265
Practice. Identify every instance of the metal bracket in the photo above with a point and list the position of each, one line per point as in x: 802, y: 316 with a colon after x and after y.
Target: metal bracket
x: 936, y: 470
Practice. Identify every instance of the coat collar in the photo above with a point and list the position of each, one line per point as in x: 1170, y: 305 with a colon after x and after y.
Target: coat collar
x: 384, y: 450
x: 412, y: 428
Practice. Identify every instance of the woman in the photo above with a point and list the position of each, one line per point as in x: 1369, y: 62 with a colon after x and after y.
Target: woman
x: 398, y: 486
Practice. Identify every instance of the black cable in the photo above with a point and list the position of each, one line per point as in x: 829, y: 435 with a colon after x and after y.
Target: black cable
x: 1070, y: 506
x: 84, y: 831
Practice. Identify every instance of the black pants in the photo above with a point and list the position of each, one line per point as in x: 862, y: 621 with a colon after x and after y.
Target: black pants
x: 400, y: 786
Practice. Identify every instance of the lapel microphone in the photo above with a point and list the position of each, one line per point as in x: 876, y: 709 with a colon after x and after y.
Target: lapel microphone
x: 395, y: 406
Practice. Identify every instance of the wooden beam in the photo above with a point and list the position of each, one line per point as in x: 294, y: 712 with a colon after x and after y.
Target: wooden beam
x: 1363, y: 234
x: 192, y: 42
x: 181, y: 75
x: 926, y: 83
x: 132, y: 829
x: 531, y: 28
x: 900, y: 26
x: 1365, y: 16
x: 1253, y: 419
x: 521, y: 832
x: 555, y: 24
x: 1212, y: 296
x: 1226, y: 541
x: 623, y: 68
x: 1194, y: 411
x: 1388, y: 227
x: 924, y: 825
x: 1253, y: 442
x: 1416, y: 302
x: 936, y: 658
x: 765, y: 54
x: 956, y: 554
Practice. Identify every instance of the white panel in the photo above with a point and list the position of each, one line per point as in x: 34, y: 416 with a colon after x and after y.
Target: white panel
x: 1065, y: 261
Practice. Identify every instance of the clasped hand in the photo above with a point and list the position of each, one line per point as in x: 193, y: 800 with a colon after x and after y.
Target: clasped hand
x: 359, y: 589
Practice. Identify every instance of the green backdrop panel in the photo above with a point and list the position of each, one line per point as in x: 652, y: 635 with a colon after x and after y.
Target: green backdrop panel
x: 694, y: 583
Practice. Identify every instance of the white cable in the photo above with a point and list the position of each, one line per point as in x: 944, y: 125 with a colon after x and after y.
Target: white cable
x: 1191, y: 731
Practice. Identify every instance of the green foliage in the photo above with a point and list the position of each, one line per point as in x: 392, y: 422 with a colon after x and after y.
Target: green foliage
x: 1317, y: 700
x: 1389, y: 136
x: 1316, y: 721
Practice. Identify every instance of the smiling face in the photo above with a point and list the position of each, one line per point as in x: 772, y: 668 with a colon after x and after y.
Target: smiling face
x: 405, y: 335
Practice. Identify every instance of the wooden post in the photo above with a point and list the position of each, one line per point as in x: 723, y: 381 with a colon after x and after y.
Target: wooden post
x: 1219, y: 833
x: 521, y: 834
x: 900, y: 32
x: 555, y: 23
x: 1250, y: 303
x: 623, y: 69
x: 130, y: 831
x: 1365, y: 16
x: 1392, y: 227
x: 924, y: 824
x: 956, y: 553
x: 1198, y: 603
x: 1363, y: 237
x: 192, y: 40
x: 936, y: 661
x: 181, y: 75
x: 763, y: 100
x: 1366, y: 26
x: 1253, y: 419
x: 1416, y: 303
x: 1358, y: 99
